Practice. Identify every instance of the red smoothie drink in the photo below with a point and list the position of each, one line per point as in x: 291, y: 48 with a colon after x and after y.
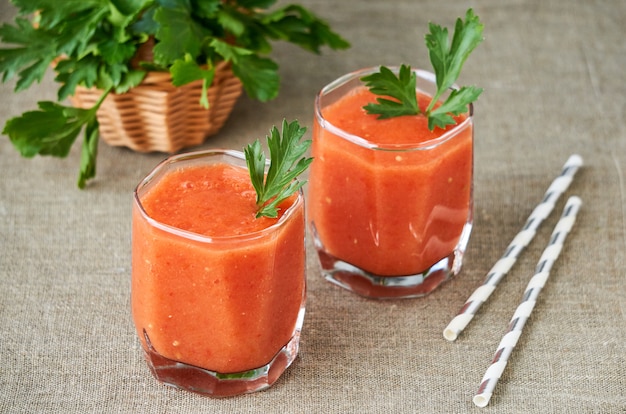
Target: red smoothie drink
x: 389, y: 201
x: 217, y: 294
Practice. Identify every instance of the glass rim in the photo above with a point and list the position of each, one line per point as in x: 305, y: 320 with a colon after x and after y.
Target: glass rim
x: 186, y: 234
x: 362, y: 142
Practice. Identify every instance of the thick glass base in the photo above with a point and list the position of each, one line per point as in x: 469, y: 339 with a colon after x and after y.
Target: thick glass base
x: 369, y: 285
x: 203, y: 381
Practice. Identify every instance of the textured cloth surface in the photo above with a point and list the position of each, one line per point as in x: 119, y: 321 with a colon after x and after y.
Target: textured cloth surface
x: 553, y: 74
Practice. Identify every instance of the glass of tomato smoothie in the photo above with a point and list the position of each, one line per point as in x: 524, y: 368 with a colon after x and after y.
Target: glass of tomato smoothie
x: 218, y: 296
x: 389, y: 201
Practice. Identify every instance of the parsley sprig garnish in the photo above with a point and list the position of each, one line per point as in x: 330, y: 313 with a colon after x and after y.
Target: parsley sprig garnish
x: 287, y: 162
x: 447, y: 59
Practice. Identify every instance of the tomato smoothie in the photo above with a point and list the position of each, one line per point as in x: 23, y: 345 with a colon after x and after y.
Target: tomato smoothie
x: 217, y: 294
x: 389, y: 201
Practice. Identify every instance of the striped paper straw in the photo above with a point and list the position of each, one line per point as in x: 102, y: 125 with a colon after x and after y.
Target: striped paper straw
x: 523, y: 311
x: 519, y: 242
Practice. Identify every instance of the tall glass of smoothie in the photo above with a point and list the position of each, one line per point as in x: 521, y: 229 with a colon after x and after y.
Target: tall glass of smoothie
x: 389, y: 201
x: 218, y: 295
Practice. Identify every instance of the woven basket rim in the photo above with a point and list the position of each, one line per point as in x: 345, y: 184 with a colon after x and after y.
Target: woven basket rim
x: 155, y: 76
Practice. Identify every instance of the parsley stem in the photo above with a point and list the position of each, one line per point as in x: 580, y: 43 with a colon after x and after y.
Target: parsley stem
x: 432, y: 103
x: 101, y: 99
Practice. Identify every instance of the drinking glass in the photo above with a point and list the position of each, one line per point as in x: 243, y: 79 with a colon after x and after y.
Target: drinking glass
x: 216, y: 315
x: 388, y: 220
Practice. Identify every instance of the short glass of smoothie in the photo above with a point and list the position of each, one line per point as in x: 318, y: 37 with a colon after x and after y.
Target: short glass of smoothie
x: 389, y: 202
x: 218, y: 295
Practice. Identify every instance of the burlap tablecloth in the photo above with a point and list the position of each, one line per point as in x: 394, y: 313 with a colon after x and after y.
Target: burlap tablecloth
x: 555, y: 84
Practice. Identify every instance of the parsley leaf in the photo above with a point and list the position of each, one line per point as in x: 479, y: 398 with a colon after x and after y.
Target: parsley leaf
x: 178, y: 33
x: 129, y: 7
x: 53, y: 129
x: 299, y: 26
x: 185, y: 71
x: 89, y: 153
x: 72, y: 72
x: 258, y: 75
x: 456, y: 104
x: 287, y: 162
x: 401, y: 88
x: 447, y: 60
x: 35, y: 54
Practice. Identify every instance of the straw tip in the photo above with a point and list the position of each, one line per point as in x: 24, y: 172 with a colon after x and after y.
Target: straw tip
x: 481, y: 400
x: 456, y: 326
x: 450, y: 334
x: 574, y: 200
x: 576, y: 160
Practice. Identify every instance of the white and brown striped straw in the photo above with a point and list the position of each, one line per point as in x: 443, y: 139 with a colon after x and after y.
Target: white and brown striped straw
x: 523, y: 311
x: 517, y: 245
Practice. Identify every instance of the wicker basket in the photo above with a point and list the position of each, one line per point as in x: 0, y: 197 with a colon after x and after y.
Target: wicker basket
x: 157, y: 116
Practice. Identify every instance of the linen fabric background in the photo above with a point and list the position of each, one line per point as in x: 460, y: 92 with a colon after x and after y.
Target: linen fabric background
x: 553, y: 74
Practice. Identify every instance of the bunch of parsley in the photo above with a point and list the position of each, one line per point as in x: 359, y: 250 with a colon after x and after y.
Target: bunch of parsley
x: 92, y: 43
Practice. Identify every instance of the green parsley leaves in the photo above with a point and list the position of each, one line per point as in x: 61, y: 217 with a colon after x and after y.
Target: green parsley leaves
x: 102, y: 44
x: 287, y: 162
x: 447, y: 60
